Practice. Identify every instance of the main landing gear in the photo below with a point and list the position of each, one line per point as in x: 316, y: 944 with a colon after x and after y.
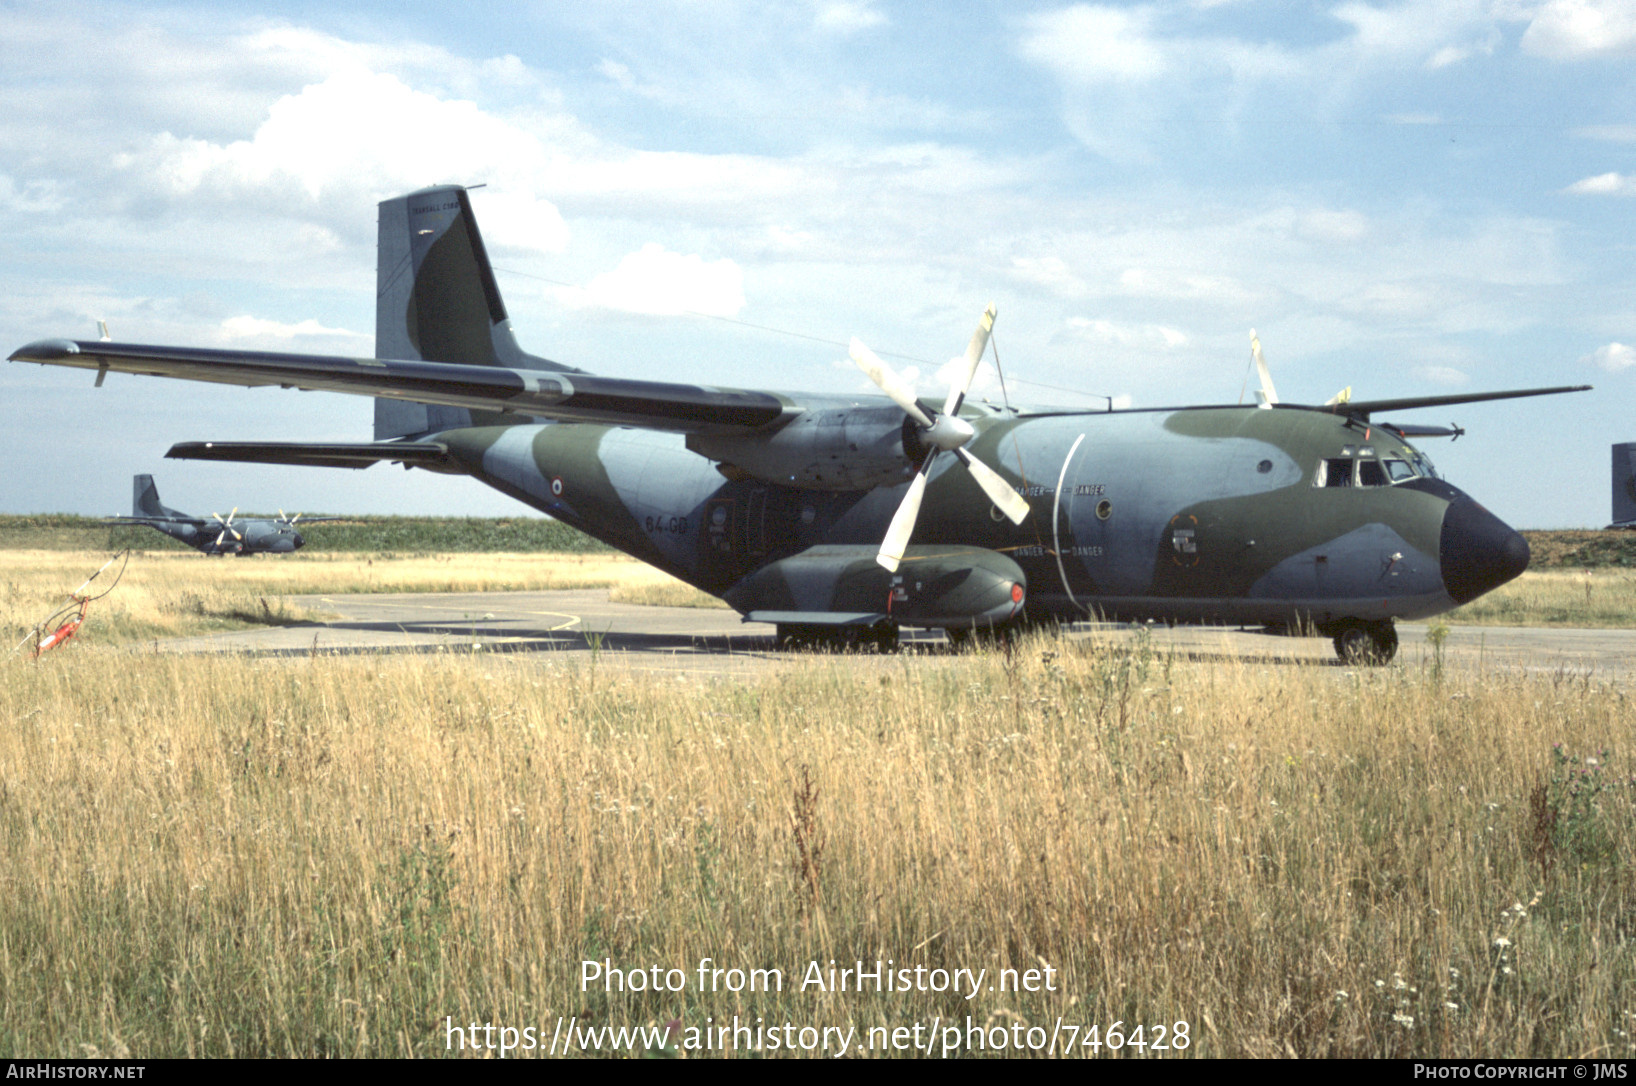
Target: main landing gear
x: 1369, y: 643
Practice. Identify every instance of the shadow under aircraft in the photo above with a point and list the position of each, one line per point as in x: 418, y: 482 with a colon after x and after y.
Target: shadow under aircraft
x: 843, y: 518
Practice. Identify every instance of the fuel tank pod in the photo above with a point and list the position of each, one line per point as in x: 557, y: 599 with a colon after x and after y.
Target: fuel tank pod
x: 940, y: 586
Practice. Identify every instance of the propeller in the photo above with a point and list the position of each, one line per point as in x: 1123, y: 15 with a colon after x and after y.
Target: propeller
x: 1266, y: 395
x: 946, y: 432
x: 227, y: 527
x: 288, y: 521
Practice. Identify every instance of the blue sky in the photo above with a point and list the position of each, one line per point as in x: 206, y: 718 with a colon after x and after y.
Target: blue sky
x: 1407, y: 199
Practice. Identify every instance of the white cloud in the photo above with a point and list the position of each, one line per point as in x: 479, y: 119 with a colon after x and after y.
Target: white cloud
x: 1444, y: 375
x: 1126, y: 335
x: 658, y: 282
x: 847, y: 17
x: 1577, y: 29
x: 1051, y: 272
x: 1088, y: 45
x: 1605, y: 184
x: 1179, y: 285
x: 1333, y: 227
x: 247, y: 327
x: 32, y: 198
x: 1612, y: 357
x: 356, y: 130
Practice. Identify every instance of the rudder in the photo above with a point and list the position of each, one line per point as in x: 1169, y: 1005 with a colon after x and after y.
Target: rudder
x: 145, y: 497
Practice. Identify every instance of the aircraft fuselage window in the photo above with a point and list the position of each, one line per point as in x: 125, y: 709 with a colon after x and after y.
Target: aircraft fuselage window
x: 1370, y: 473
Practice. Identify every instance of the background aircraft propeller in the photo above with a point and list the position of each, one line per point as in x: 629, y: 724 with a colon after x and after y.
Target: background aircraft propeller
x: 227, y: 527
x: 945, y: 432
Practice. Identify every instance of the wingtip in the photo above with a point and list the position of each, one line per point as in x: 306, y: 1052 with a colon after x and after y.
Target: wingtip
x: 45, y: 350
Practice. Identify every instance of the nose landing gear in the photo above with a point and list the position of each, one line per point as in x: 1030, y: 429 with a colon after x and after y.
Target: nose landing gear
x: 1369, y: 643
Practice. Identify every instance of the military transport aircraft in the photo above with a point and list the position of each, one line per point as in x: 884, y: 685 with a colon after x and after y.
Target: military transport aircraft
x: 836, y: 517
x: 258, y: 535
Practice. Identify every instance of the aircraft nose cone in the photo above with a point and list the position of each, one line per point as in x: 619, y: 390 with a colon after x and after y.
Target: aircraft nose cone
x: 299, y: 542
x: 1478, y: 551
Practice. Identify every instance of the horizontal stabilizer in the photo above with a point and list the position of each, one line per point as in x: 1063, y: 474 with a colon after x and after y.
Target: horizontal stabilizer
x: 570, y: 397
x: 421, y: 454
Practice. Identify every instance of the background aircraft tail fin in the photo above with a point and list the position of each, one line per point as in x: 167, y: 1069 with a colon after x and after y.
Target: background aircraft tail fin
x: 1624, y: 485
x: 145, y: 497
x: 436, y: 300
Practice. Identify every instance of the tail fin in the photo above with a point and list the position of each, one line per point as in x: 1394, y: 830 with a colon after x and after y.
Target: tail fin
x: 1624, y: 485
x: 436, y: 301
x: 145, y: 497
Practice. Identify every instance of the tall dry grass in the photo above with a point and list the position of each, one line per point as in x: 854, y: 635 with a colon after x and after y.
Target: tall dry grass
x: 332, y: 856
x: 173, y: 595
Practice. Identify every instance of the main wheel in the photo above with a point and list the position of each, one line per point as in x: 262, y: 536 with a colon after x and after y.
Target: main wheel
x: 1369, y: 643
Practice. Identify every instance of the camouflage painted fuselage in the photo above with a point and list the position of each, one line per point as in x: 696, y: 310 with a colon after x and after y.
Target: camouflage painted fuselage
x: 1193, y: 515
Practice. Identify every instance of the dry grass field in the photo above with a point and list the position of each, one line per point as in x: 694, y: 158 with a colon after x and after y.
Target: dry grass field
x: 353, y: 856
x: 181, y: 593
x: 348, y: 856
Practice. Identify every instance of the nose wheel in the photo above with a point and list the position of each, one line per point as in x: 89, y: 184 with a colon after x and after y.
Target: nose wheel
x: 1371, y: 643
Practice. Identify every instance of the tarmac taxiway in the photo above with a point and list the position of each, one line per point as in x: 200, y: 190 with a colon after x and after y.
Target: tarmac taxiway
x: 580, y: 624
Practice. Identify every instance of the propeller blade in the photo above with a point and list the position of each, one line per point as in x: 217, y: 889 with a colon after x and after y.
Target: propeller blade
x: 1009, y: 502
x: 903, y: 522
x: 1267, y: 394
x: 949, y: 432
x: 887, y: 379
x: 974, y: 355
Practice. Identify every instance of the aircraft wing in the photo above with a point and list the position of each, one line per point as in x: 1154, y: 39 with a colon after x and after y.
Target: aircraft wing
x: 156, y: 522
x: 1362, y: 409
x: 573, y: 397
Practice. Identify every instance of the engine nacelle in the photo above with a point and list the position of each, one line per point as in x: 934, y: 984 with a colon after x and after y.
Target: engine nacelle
x: 945, y: 586
x: 852, y: 448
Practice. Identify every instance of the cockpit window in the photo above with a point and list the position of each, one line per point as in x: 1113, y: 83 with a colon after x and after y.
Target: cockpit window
x: 1335, y: 471
x: 1398, y: 470
x: 1423, y: 462
x: 1370, y: 473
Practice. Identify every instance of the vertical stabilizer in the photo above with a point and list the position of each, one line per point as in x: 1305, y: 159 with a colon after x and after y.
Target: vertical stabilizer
x: 436, y: 301
x: 1624, y: 485
x: 145, y: 498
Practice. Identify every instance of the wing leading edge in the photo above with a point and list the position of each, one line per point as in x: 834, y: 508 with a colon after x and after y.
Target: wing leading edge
x: 575, y: 397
